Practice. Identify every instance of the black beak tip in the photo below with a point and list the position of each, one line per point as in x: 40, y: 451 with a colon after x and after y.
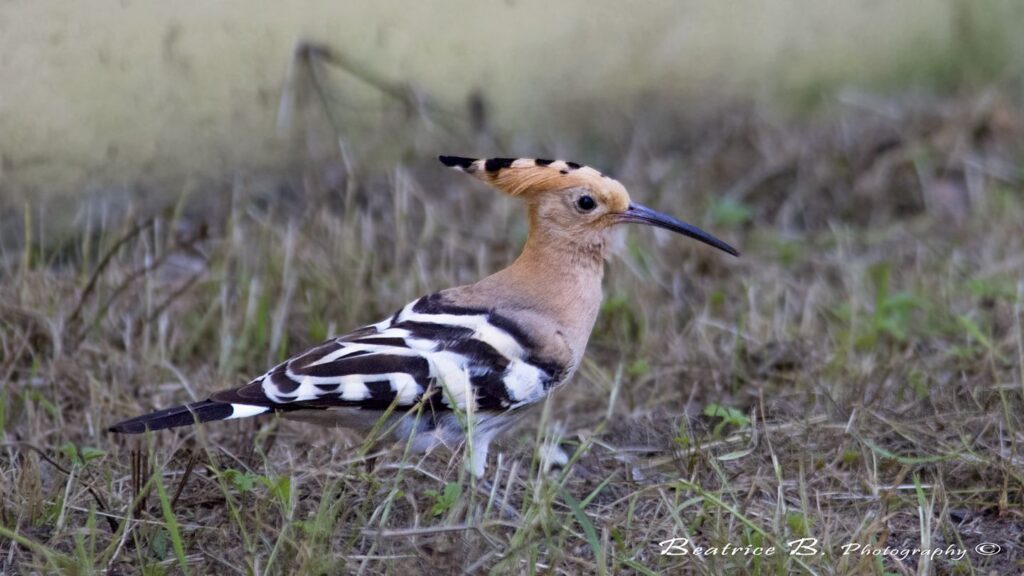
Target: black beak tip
x: 724, y: 247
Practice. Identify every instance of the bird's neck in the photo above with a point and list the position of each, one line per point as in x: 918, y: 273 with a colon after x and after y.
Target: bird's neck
x: 563, y: 259
x: 556, y: 255
x: 557, y: 276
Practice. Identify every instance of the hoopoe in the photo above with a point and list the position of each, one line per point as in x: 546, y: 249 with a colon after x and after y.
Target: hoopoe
x: 485, y: 350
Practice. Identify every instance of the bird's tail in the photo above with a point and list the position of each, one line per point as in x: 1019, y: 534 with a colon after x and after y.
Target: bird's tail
x: 186, y: 415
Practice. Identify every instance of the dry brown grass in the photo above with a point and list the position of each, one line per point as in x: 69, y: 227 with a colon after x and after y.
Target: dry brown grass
x: 864, y: 358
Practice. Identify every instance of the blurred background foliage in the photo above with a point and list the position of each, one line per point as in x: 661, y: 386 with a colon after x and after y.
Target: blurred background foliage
x: 129, y: 93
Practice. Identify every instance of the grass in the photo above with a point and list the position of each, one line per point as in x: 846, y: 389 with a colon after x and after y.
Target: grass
x: 856, y: 377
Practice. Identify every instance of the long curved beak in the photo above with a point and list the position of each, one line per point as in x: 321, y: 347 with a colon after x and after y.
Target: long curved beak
x: 644, y: 215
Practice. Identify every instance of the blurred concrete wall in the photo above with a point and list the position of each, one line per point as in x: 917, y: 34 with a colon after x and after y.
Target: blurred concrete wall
x: 110, y: 90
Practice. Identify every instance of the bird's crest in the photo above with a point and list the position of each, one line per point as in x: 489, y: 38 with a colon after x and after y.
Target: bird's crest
x: 528, y: 176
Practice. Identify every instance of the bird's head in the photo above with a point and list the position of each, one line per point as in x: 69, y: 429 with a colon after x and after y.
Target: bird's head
x: 572, y: 203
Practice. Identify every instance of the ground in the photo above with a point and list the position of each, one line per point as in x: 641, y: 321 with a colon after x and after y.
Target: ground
x: 854, y: 379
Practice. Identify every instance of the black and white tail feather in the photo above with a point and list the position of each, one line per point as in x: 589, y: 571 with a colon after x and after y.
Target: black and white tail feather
x: 432, y: 352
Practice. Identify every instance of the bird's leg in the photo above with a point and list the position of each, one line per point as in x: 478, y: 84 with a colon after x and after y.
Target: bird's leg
x: 489, y: 488
x: 552, y: 456
x: 507, y: 511
x: 478, y: 449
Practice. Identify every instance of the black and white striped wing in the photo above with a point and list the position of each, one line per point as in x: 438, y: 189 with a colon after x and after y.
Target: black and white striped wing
x: 431, y: 350
x: 464, y: 354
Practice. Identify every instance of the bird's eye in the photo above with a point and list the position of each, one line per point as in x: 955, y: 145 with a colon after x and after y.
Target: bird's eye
x: 586, y: 203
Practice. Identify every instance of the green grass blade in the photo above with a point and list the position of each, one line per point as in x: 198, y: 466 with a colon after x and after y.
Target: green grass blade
x: 172, y: 525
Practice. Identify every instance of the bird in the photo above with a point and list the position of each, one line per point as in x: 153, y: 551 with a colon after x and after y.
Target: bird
x: 459, y: 366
